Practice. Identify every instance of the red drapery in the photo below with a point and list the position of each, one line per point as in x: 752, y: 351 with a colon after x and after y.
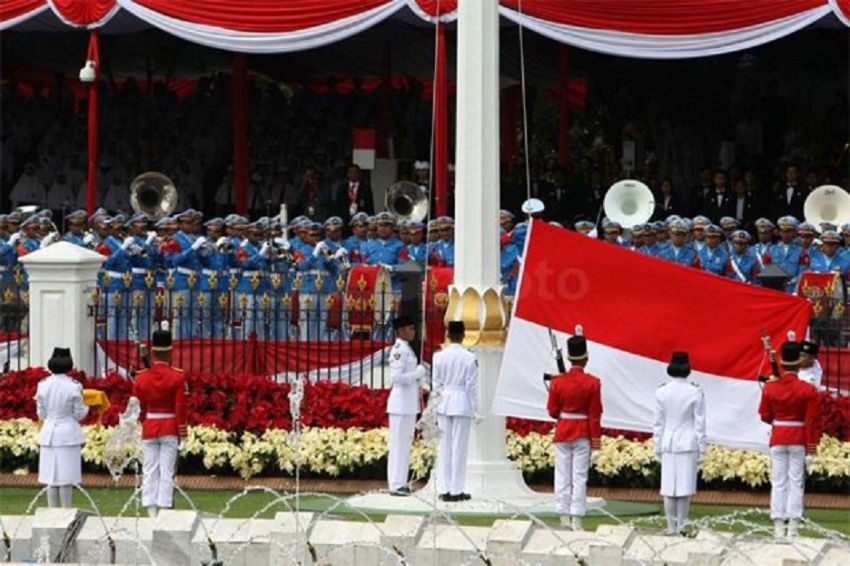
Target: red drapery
x: 11, y: 9
x: 436, y: 8
x: 261, y: 15
x: 83, y: 12
x: 240, y: 133
x: 91, y: 186
x: 662, y: 17
x: 441, y: 125
x: 250, y: 356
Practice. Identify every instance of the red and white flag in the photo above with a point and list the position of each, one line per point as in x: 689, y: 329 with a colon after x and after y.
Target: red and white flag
x: 636, y: 310
x: 363, y: 148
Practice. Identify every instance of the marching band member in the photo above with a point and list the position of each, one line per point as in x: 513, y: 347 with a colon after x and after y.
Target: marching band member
x: 787, y: 253
x: 75, y: 222
x: 161, y: 391
x: 806, y: 233
x: 743, y: 264
x: 810, y: 368
x: 790, y: 406
x: 186, y: 263
x: 678, y: 431
x: 456, y: 382
x: 584, y: 227
x: 59, y: 404
x: 700, y: 223
x: 574, y: 401
x: 112, y: 284
x: 764, y: 235
x: 416, y: 249
x: 729, y: 224
x: 713, y: 256
x: 509, y: 264
x: 359, y: 231
x: 216, y: 260
x: 28, y: 241
x: 406, y: 374
x: 678, y: 250
x: 830, y: 257
x: 253, y: 256
x: 506, y: 220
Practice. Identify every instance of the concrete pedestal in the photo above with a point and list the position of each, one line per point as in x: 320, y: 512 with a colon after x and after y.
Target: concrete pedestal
x: 62, y: 279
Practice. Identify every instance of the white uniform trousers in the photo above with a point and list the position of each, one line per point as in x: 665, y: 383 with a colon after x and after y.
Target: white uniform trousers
x: 452, y: 458
x: 572, y: 462
x: 160, y: 458
x: 398, y: 458
x: 787, y: 480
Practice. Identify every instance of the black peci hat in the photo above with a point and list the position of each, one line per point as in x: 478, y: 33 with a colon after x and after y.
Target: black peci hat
x: 456, y: 327
x: 577, y: 349
x: 402, y: 321
x: 790, y: 354
x: 60, y: 361
x: 810, y: 348
x: 680, y: 365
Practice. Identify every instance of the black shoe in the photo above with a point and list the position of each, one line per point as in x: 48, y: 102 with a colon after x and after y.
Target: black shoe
x: 400, y: 493
x: 444, y: 496
x: 463, y: 497
x: 406, y: 490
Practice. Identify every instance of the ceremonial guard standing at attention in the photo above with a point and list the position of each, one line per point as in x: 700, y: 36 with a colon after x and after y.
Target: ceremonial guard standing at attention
x: 161, y: 391
x: 810, y: 368
x: 790, y: 406
x: 456, y: 382
x: 59, y: 404
x: 575, y: 402
x: 679, y: 436
x: 403, y: 404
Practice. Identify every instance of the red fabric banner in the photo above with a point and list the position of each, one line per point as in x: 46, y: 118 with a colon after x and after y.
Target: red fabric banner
x: 261, y: 15
x: 92, y: 125
x: 250, y: 356
x: 436, y: 8
x: 83, y: 12
x: 660, y: 307
x: 239, y: 94
x: 11, y: 9
x: 441, y: 125
x: 663, y: 17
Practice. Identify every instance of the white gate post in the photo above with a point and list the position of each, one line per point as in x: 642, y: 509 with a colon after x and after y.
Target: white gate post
x: 62, y: 278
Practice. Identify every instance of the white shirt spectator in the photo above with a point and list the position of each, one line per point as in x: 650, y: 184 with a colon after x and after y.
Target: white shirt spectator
x: 28, y: 189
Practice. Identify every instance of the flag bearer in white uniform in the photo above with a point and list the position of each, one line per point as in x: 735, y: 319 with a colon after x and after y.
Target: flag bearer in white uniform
x: 403, y: 404
x: 59, y: 404
x: 679, y: 435
x: 790, y: 406
x: 456, y: 381
x: 810, y: 368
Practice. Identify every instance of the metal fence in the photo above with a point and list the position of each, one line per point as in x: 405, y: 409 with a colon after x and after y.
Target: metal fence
x: 14, y: 310
x: 270, y: 329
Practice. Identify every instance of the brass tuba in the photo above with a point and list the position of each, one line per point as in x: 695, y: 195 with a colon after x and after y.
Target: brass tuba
x: 408, y: 201
x: 827, y: 204
x: 153, y: 194
x: 629, y: 203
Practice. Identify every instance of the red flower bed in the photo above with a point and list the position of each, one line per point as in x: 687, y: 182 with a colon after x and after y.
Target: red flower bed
x: 256, y: 403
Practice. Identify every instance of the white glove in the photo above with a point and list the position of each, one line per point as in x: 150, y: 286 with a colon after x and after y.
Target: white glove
x: 151, y: 237
x: 244, y: 244
x: 128, y: 241
x: 199, y: 243
x: 425, y: 383
x: 48, y: 239
x: 319, y: 249
x: 134, y: 249
x: 221, y: 241
x: 387, y: 266
x: 421, y: 372
x: 13, y: 239
x: 87, y: 239
x: 264, y: 249
x: 340, y: 253
x: 282, y: 243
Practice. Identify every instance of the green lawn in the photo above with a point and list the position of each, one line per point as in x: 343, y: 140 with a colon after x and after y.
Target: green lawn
x: 111, y: 501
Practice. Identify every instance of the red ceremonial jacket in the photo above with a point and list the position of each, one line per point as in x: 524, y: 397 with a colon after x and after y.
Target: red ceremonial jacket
x: 576, y: 392
x: 789, y: 399
x: 161, y: 389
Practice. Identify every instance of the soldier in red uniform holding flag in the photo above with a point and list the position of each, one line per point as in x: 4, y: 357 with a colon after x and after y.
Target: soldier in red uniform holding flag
x: 790, y: 406
x: 575, y: 402
x: 161, y: 391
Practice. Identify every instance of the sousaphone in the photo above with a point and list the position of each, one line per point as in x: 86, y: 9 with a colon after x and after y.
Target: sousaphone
x: 154, y: 195
x: 629, y: 203
x: 827, y: 203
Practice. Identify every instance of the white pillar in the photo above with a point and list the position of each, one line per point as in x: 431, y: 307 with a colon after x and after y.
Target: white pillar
x: 62, y: 278
x: 489, y: 474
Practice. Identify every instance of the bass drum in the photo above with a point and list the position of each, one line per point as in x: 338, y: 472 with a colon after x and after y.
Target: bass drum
x: 369, y: 298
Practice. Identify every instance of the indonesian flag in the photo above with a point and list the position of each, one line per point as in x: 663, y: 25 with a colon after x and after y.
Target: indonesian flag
x: 363, y: 144
x: 636, y: 311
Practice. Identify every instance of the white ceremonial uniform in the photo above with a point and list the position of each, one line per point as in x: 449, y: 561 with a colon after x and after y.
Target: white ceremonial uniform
x: 455, y: 375
x: 812, y: 375
x: 402, y: 406
x: 679, y: 435
x: 59, y: 404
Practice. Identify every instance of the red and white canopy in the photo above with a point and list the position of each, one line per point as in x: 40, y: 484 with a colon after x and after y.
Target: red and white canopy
x: 658, y: 29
